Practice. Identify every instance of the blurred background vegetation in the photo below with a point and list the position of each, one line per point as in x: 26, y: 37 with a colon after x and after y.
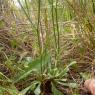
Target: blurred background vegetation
x: 47, y: 47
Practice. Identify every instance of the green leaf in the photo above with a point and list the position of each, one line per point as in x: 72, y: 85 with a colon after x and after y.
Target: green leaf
x: 2, y: 24
x: 37, y: 90
x: 34, y: 66
x: 71, y: 85
x: 56, y: 91
x: 2, y: 90
x: 12, y: 90
x: 86, y: 76
x: 14, y: 43
x: 8, y: 80
x: 61, y: 80
x: 72, y: 63
x: 64, y: 72
x: 1, y: 48
x: 24, y: 91
x: 31, y: 87
x: 28, y: 71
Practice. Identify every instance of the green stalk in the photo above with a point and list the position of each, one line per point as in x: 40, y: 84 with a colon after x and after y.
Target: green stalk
x: 47, y: 42
x: 27, y: 8
x: 28, y: 17
x: 55, y: 38
x: 38, y: 32
x: 32, y: 25
x: 57, y: 26
x: 93, y: 6
x: 53, y: 24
